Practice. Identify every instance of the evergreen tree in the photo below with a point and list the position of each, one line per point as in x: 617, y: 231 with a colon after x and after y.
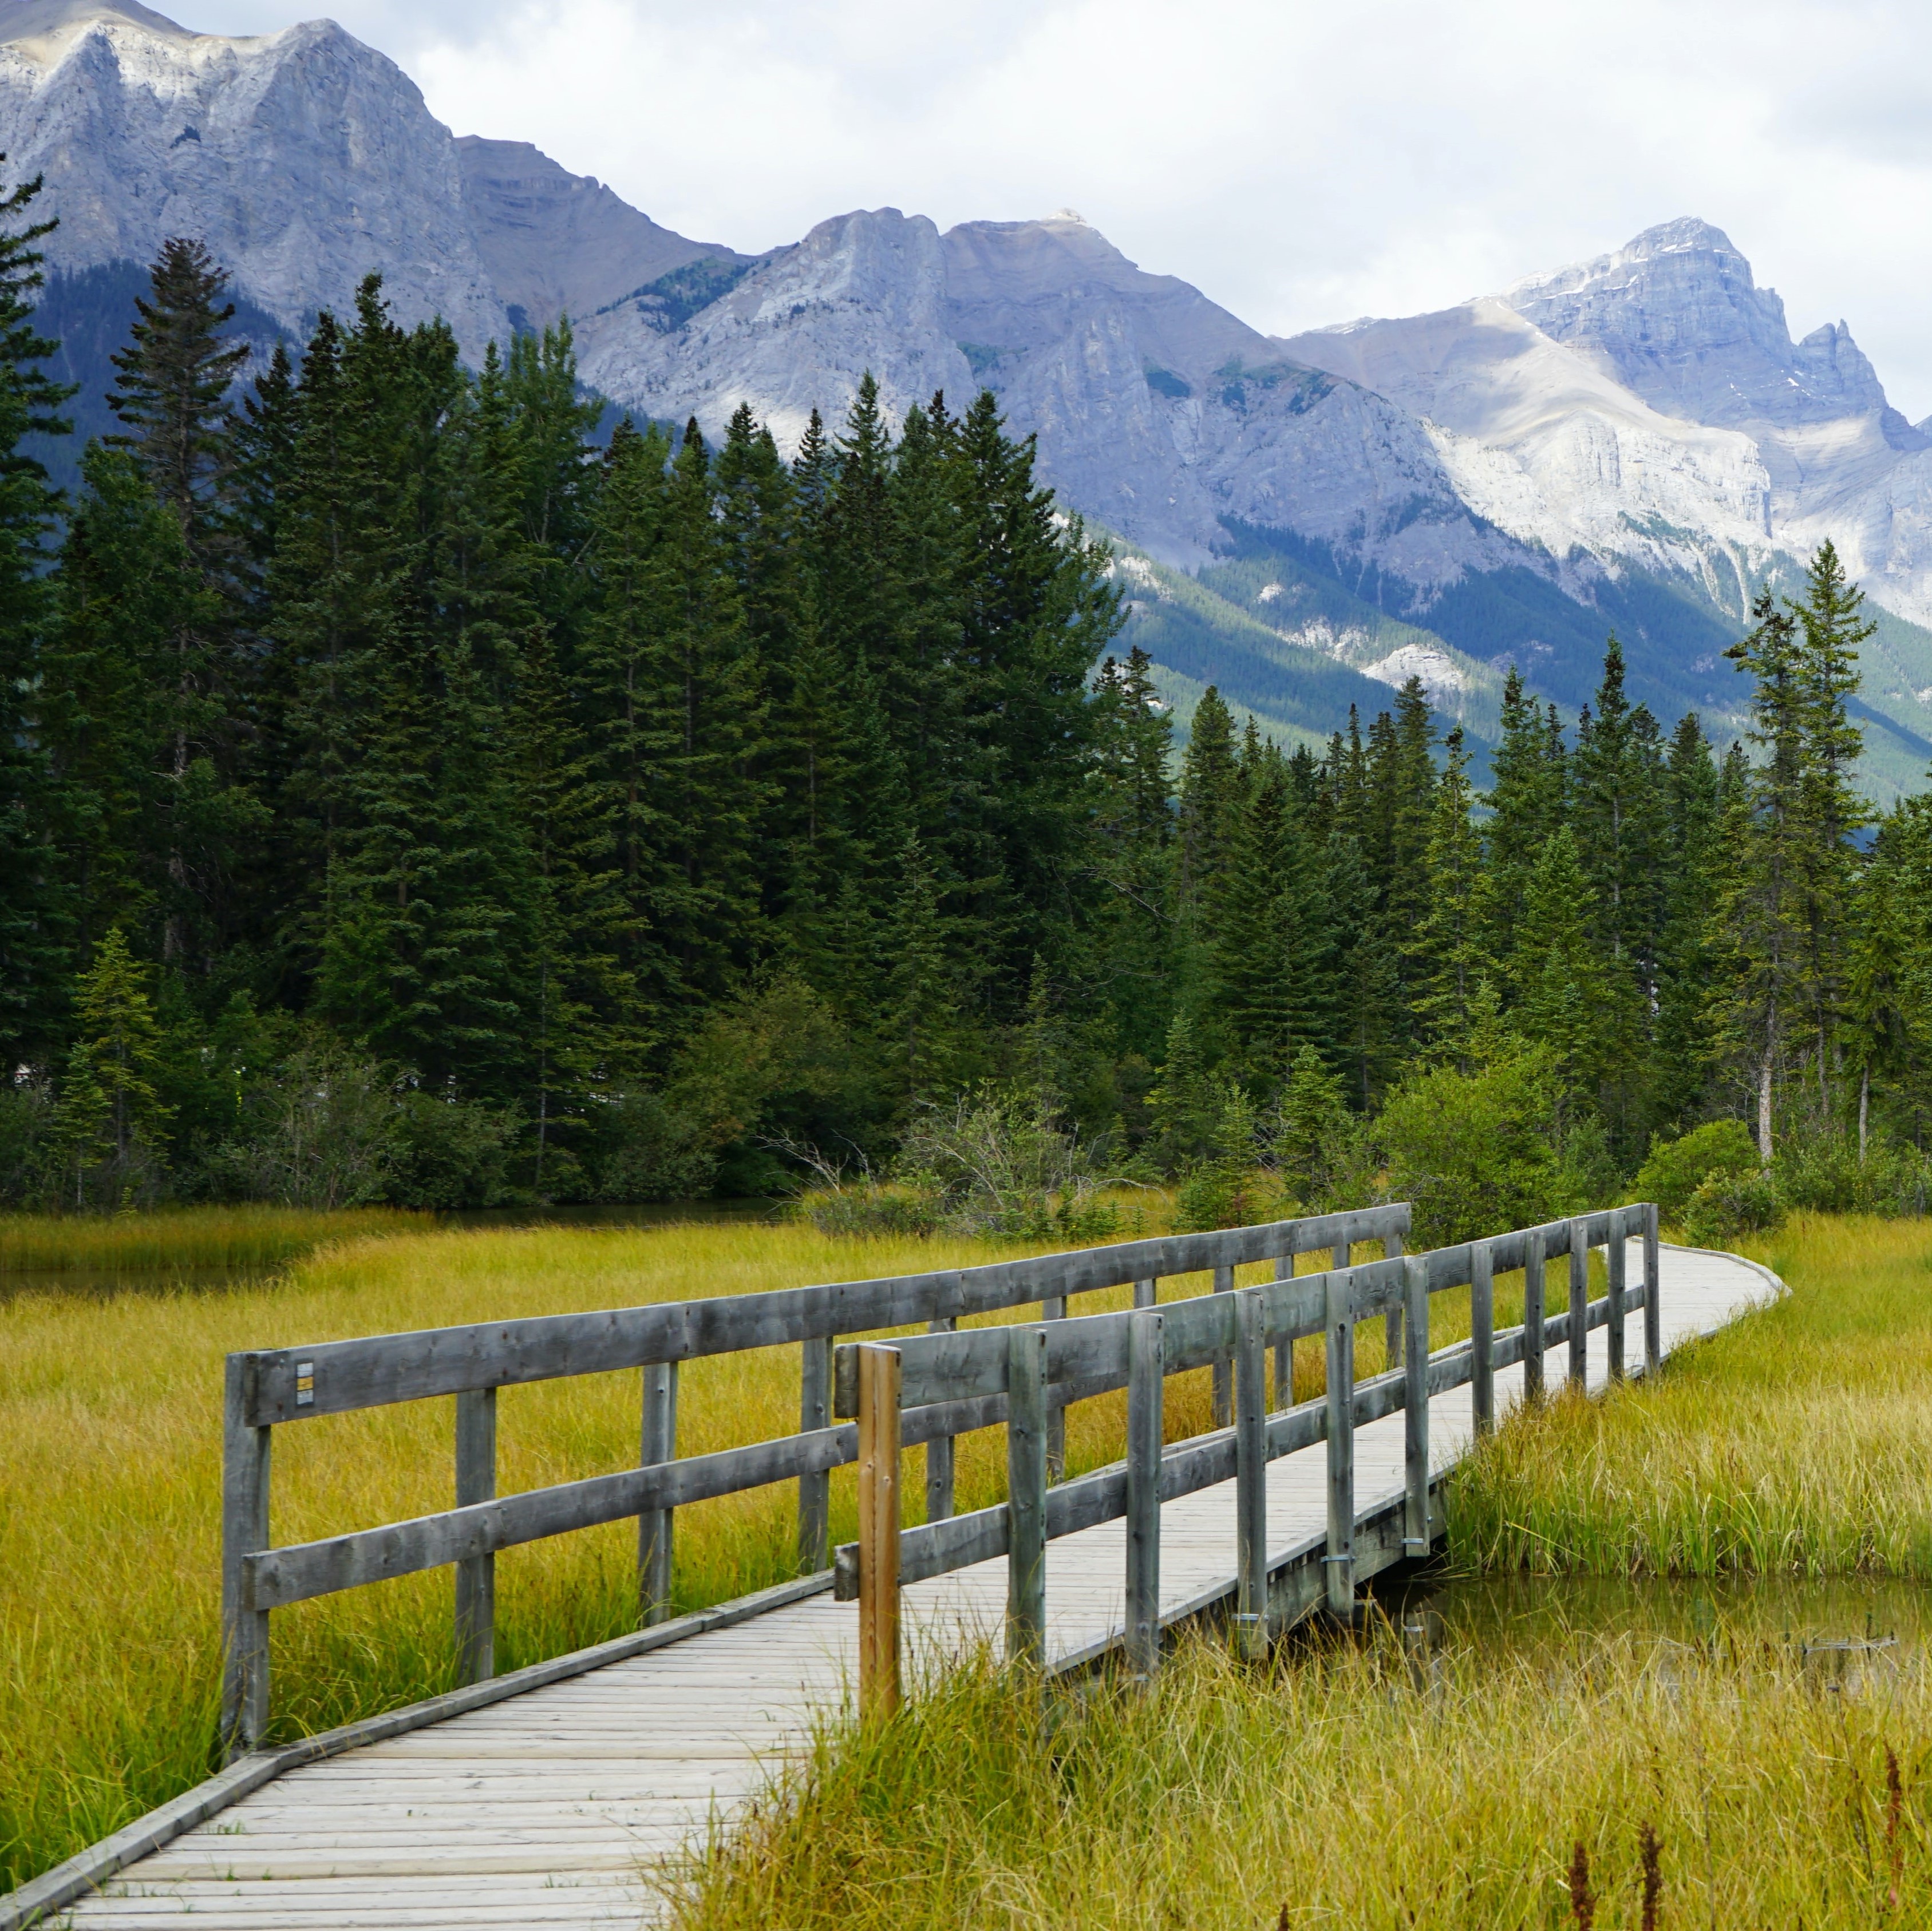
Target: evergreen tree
x: 112, y: 1118
x: 1449, y: 962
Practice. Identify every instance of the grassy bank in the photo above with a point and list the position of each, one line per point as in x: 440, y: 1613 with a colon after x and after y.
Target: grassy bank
x: 1797, y: 1441
x: 1349, y: 1787
x: 184, y: 1239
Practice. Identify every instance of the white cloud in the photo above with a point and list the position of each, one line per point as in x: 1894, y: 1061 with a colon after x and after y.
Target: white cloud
x: 1301, y: 163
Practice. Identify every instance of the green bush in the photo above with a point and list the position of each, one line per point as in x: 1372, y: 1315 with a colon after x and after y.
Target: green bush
x: 1823, y: 1172
x: 1730, y: 1205
x: 1677, y: 1168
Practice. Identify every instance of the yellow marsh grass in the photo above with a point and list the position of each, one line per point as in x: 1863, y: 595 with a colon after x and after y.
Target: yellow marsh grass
x: 184, y: 1237
x: 1334, y: 1788
x: 110, y: 1491
x: 1797, y: 1440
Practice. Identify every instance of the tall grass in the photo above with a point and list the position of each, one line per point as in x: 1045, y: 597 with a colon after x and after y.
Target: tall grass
x: 110, y: 1491
x: 183, y: 1238
x: 1357, y: 1786
x: 1797, y: 1441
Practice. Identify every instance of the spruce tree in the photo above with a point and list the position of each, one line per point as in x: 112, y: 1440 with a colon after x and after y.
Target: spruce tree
x: 1449, y: 962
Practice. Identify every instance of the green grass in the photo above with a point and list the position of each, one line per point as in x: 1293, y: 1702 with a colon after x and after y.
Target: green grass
x: 185, y: 1238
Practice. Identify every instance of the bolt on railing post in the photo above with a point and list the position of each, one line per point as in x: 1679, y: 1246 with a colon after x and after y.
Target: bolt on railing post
x: 1415, y: 1535
x: 1223, y: 1368
x: 1482, y: 1336
x: 658, y: 1442
x: 1615, y: 1251
x: 476, y: 1575
x: 1392, y: 1324
x: 244, y: 1530
x: 1026, y: 1495
x: 939, y: 1454
x: 1250, y: 1378
x: 878, y: 1532
x: 814, y: 1490
x: 1146, y: 1388
x: 1653, y: 1309
x: 1532, y: 1314
x: 1580, y: 1303
x: 1340, y: 1559
x: 1284, y: 1350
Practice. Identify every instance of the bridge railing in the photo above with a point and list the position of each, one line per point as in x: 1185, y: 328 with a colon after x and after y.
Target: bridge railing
x: 1028, y: 1370
x: 272, y: 1388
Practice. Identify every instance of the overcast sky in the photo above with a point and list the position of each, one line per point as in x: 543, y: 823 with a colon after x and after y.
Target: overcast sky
x: 1301, y: 163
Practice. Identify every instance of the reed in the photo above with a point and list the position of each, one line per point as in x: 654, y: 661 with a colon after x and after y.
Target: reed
x: 183, y: 1239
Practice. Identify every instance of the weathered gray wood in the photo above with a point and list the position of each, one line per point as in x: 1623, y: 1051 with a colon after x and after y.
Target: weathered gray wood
x: 1579, y: 1297
x: 939, y: 1450
x: 476, y: 1575
x: 1284, y: 1350
x: 1146, y: 1293
x: 1534, y: 1345
x: 1223, y: 1367
x: 1392, y: 1321
x: 1341, y: 1342
x: 658, y: 1437
x: 878, y: 1533
x: 1415, y: 1411
x: 1616, y: 1255
x: 815, y: 1487
x: 1482, y: 1338
x: 1250, y: 1393
x: 244, y: 1530
x: 1053, y: 1308
x: 1653, y: 1311
x: 1147, y: 1380
x: 1026, y: 1495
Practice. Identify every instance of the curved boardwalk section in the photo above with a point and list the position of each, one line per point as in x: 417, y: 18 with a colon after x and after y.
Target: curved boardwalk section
x: 553, y: 1807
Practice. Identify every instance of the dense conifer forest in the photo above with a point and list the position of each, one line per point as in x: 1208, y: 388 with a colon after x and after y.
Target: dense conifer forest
x: 407, y: 794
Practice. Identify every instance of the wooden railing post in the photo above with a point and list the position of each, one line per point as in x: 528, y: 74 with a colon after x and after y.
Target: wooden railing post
x: 1284, y: 1350
x: 1146, y: 1293
x: 476, y: 1575
x: 1615, y: 1253
x: 1653, y: 1306
x: 1224, y: 1366
x: 244, y: 1530
x: 814, y: 1491
x: 1532, y: 1314
x: 1053, y: 1308
x: 878, y: 1532
x: 1579, y: 1303
x: 1392, y: 1325
x: 1339, y: 1561
x: 1146, y: 1389
x: 658, y: 1443
x: 1250, y: 1379
x: 939, y: 1457
x: 1415, y: 1537
x: 1482, y: 1336
x: 1026, y: 1496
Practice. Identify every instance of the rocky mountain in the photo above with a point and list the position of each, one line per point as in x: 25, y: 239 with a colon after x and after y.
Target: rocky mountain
x: 1635, y: 442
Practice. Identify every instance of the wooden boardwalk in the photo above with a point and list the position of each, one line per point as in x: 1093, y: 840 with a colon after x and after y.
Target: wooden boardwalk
x: 553, y: 1807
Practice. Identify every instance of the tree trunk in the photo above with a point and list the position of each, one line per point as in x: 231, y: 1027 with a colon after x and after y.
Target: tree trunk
x: 1764, y: 1108
x: 1865, y: 1110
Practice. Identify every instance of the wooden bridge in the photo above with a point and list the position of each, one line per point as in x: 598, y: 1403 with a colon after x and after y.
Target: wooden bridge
x: 550, y: 1796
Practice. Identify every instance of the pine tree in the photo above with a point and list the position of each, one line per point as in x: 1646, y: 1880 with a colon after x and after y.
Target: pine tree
x: 112, y: 1119
x: 1562, y: 985
x: 1449, y: 963
x: 1209, y: 792
x: 1682, y: 1031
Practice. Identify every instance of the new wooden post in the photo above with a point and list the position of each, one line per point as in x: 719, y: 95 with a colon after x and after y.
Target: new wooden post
x: 1146, y: 1386
x: 1026, y: 1495
x: 878, y: 1532
x: 1653, y: 1299
x: 1415, y: 1537
x: 659, y: 1443
x: 1532, y: 1314
x: 244, y: 1530
x: 814, y: 1491
x: 1392, y: 1324
x: 1339, y: 1561
x: 1053, y: 1308
x: 1482, y: 1336
x: 939, y: 1450
x: 1224, y: 1369
x: 1580, y: 1303
x: 1284, y: 1350
x: 476, y: 1575
x: 1250, y: 1378
x: 1615, y: 1251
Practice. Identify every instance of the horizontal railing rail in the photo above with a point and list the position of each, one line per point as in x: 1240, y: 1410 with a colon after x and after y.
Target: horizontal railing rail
x: 890, y: 1386
x: 269, y: 1388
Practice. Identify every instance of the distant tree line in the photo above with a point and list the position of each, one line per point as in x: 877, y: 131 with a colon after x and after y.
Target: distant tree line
x: 405, y: 794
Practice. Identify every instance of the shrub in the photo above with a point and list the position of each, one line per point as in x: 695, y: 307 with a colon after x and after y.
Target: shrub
x: 1677, y: 1168
x: 1823, y: 1172
x: 1729, y: 1204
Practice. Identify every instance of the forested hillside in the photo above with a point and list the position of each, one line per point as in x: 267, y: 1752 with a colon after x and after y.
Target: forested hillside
x: 405, y: 798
